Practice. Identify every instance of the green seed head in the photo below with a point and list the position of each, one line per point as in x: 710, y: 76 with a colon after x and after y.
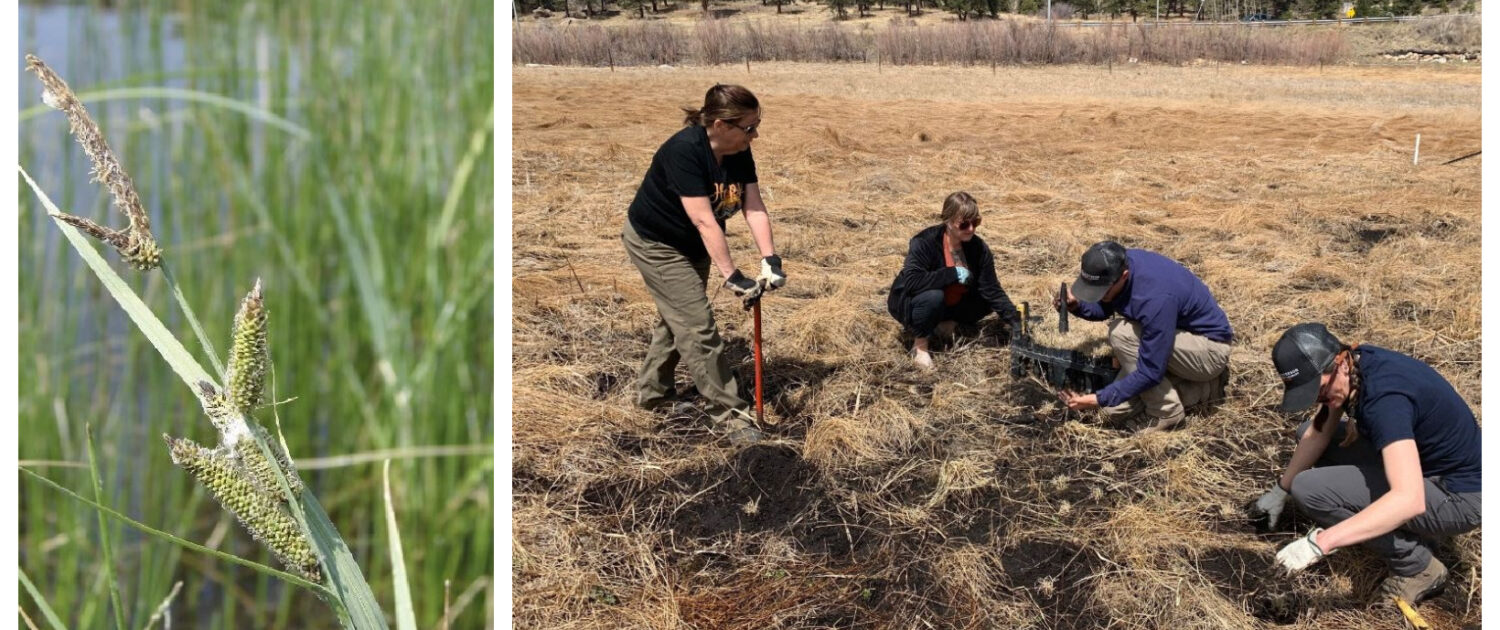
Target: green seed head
x: 261, y: 471
x: 248, y: 353
x: 266, y: 520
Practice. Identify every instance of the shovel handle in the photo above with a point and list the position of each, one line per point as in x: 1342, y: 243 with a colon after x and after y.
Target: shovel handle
x: 1412, y: 616
x: 760, y: 409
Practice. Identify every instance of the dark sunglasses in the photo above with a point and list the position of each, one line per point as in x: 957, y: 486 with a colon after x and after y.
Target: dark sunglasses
x: 964, y: 225
x: 748, y: 130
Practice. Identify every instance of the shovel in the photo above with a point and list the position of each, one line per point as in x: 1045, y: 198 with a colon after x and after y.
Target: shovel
x: 1412, y: 616
x: 760, y: 403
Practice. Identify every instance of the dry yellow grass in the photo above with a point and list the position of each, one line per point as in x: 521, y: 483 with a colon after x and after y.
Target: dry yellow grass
x: 894, y: 499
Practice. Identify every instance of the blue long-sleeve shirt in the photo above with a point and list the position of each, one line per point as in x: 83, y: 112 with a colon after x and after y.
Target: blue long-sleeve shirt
x: 1164, y: 297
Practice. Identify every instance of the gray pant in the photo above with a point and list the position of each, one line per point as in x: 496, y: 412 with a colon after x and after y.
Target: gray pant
x: 1193, y: 373
x: 1347, y: 480
x: 685, y: 331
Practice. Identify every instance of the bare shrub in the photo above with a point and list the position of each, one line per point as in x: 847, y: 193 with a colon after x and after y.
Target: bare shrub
x: 1452, y: 30
x: 987, y: 42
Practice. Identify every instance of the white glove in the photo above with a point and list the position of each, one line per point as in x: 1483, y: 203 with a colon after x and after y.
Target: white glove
x: 1269, y: 506
x: 1301, y: 553
x: 771, y: 275
x: 743, y: 287
x: 963, y: 274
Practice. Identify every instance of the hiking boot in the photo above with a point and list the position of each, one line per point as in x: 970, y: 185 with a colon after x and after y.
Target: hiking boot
x: 1163, y: 424
x: 946, y: 329
x: 1417, y: 587
x: 1221, y: 388
x: 657, y: 403
x: 739, y: 430
x: 745, y: 436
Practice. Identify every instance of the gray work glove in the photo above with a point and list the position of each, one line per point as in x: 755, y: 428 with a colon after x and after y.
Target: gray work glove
x: 743, y: 287
x: 1267, y: 509
x: 1301, y: 553
x: 771, y: 275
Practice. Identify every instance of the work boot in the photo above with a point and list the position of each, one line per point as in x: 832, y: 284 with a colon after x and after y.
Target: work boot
x: 1221, y: 388
x: 1417, y: 587
x: 946, y: 329
x: 738, y: 429
x: 1163, y: 424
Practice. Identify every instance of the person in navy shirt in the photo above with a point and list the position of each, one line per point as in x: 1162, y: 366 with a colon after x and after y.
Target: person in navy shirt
x: 1391, y: 460
x: 1171, y: 339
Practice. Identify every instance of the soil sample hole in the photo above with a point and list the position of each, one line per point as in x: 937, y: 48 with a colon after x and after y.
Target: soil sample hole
x: 1255, y: 579
x: 763, y: 487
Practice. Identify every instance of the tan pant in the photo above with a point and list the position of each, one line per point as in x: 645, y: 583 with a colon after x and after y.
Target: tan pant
x: 1196, y: 373
x: 685, y: 331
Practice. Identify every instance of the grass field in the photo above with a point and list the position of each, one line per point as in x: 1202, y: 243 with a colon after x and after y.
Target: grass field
x: 366, y: 212
x: 964, y: 498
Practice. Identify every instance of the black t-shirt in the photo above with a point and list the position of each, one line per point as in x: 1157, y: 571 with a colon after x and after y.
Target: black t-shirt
x: 1402, y: 398
x: 684, y: 166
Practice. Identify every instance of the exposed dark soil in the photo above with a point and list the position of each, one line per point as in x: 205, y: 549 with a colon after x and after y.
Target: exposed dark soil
x: 1254, y: 579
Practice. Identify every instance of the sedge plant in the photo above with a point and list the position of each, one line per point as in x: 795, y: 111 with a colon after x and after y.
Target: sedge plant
x: 248, y: 471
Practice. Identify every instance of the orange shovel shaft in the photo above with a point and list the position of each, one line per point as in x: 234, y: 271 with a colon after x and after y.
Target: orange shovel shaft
x: 760, y: 409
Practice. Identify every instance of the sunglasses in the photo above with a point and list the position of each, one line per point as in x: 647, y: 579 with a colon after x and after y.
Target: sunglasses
x: 966, y: 224
x: 748, y: 130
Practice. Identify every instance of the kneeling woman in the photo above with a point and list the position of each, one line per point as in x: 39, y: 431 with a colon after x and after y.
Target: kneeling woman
x: 1402, y: 470
x: 948, y: 278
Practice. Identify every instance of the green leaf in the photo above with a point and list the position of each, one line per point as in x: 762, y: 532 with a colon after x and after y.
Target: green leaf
x: 250, y: 111
x: 41, y: 602
x: 294, y: 579
x: 347, y: 581
x: 109, y: 555
x: 406, y: 619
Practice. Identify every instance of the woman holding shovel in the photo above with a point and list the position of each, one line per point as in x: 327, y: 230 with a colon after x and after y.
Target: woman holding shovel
x: 948, y: 278
x: 698, y: 178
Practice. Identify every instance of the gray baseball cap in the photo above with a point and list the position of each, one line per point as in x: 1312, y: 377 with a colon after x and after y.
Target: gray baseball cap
x: 1301, y: 356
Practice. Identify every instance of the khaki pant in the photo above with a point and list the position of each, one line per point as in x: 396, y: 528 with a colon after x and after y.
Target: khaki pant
x: 1196, y: 373
x: 686, y: 331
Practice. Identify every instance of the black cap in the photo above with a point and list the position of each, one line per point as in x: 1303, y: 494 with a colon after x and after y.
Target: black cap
x: 1102, y: 265
x: 1301, y: 356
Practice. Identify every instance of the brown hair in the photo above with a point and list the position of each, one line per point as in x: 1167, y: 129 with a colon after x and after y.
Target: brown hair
x: 1346, y: 355
x: 722, y: 102
x: 961, y: 206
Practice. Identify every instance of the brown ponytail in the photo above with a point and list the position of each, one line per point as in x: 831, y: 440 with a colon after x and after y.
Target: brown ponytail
x: 722, y: 102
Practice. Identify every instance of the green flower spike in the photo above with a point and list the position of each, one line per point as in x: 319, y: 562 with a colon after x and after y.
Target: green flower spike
x: 247, y: 454
x: 248, y: 354
x: 265, y: 519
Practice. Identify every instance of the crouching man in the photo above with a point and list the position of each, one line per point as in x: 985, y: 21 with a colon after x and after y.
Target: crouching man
x: 1171, y: 341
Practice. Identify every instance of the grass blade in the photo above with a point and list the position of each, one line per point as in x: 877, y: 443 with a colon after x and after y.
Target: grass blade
x: 41, y: 602
x: 162, y: 610
x: 170, y: 348
x: 344, y: 575
x: 294, y: 579
x: 192, y: 318
x: 405, y: 618
x: 109, y: 554
x: 250, y: 111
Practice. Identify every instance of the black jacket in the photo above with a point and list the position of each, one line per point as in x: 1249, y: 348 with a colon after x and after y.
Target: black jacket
x: 926, y: 268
